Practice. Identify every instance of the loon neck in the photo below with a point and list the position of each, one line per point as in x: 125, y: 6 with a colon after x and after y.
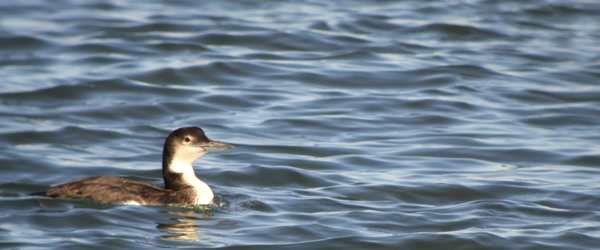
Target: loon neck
x: 181, y: 176
x: 177, y: 173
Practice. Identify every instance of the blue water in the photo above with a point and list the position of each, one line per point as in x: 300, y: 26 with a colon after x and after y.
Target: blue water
x: 357, y: 124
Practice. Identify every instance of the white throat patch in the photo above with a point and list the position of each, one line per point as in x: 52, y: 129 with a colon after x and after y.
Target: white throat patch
x: 181, y: 168
x: 204, y: 194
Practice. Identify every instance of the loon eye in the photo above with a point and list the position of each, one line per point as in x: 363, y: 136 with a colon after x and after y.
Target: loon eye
x: 187, y: 139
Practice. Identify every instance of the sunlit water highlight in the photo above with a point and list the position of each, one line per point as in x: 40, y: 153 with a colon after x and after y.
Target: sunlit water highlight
x: 359, y: 125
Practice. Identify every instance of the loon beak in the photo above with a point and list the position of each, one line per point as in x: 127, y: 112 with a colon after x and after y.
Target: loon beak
x: 215, y: 146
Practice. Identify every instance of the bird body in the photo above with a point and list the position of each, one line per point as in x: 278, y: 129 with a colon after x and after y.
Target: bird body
x: 181, y: 148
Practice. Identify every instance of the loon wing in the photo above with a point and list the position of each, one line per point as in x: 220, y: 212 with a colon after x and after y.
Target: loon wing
x: 115, y: 190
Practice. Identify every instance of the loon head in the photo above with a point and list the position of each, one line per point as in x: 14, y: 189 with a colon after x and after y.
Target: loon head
x: 182, y: 147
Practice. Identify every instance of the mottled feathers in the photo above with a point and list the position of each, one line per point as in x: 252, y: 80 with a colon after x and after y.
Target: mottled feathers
x: 119, y: 190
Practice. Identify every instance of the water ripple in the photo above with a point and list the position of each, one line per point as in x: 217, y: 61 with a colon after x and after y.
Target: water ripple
x: 375, y: 125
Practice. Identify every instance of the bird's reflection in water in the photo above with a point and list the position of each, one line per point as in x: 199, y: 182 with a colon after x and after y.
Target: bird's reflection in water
x: 190, y: 225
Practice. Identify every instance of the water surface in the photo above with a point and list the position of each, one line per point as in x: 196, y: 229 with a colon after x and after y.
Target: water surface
x: 359, y: 125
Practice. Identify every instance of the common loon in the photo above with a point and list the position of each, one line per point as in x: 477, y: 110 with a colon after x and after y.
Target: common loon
x: 182, y: 147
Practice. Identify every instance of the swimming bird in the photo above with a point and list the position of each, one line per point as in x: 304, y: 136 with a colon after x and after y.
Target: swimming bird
x: 182, y: 147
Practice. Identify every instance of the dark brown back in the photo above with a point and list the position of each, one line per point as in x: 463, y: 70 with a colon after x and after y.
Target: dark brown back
x: 119, y: 190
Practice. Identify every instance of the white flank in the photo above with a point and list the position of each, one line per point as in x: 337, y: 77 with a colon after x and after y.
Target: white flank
x: 131, y: 202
